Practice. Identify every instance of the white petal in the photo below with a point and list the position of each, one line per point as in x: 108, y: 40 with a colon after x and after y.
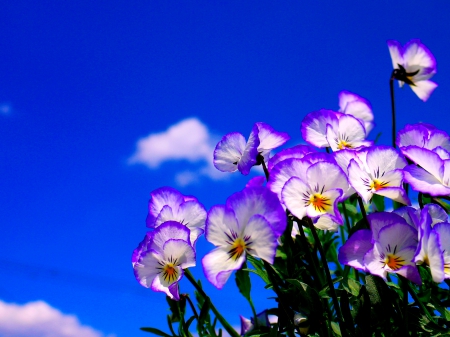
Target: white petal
x: 221, y: 222
x: 228, y: 152
x: 359, y: 180
x: 423, y: 89
x: 293, y: 196
x: 395, y: 49
x: 218, y: 266
x: 264, y: 242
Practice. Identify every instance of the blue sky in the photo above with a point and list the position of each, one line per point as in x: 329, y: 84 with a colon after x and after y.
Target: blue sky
x: 83, y: 82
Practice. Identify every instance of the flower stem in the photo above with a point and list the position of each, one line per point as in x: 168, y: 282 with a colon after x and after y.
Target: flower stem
x: 391, y: 86
x: 266, y: 171
x: 419, y: 302
x: 347, y: 221
x: 363, y: 211
x: 420, y: 199
x: 328, y: 275
x: 222, y: 320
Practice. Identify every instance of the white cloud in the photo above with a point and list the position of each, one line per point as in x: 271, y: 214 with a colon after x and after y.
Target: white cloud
x: 188, y: 140
x: 38, y: 319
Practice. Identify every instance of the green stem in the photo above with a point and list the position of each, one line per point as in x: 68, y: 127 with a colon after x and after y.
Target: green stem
x: 276, y: 289
x: 222, y: 320
x: 363, y: 211
x: 391, y: 86
x: 263, y: 163
x: 404, y: 286
x: 192, y: 306
x: 312, y: 258
x: 328, y: 275
x: 419, y: 302
x: 347, y: 221
x: 420, y: 199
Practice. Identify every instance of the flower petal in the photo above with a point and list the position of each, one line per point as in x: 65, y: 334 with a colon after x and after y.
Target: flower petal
x: 353, y: 251
x: 314, y: 126
x: 424, y: 89
x: 263, y: 240
x: 220, y: 222
x: 159, y: 198
x: 218, y: 266
x: 258, y: 200
x: 228, y: 152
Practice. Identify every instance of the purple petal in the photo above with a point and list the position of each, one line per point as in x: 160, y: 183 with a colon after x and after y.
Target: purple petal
x: 353, y: 251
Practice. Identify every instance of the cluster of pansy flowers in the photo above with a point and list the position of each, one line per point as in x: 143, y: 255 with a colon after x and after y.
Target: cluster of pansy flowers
x: 306, y: 181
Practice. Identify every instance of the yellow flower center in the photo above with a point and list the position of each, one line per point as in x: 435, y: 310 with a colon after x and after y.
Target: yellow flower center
x: 378, y: 184
x: 319, y: 202
x: 394, y: 262
x: 170, y: 273
x: 344, y: 145
x: 237, y: 249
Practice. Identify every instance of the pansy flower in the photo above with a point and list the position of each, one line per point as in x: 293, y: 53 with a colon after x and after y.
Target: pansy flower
x: 249, y: 223
x: 425, y: 136
x: 388, y: 247
x: 327, y: 128
x: 357, y: 106
x: 414, y: 65
x: 378, y: 170
x: 168, y: 204
x: 432, y: 176
x: 234, y: 153
x: 167, y: 252
x: 317, y: 192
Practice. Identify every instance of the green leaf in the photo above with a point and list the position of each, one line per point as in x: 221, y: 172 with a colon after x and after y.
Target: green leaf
x: 177, y: 308
x: 351, y: 286
x: 309, y: 299
x: 156, y: 332
x: 259, y: 269
x: 243, y: 282
x: 336, y: 328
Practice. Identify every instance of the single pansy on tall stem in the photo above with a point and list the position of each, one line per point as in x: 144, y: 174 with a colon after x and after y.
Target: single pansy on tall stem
x: 249, y: 223
x: 234, y: 153
x: 413, y: 64
x: 378, y: 170
x: 159, y: 260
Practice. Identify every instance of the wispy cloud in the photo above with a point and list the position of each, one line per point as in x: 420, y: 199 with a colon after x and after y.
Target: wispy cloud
x: 38, y: 319
x: 188, y: 140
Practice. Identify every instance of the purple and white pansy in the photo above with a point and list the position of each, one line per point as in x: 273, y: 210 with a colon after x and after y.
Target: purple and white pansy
x: 234, y: 153
x: 317, y: 192
x: 414, y: 64
x: 378, y: 170
x: 159, y: 261
x: 167, y: 204
x: 388, y: 247
x: 249, y: 223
